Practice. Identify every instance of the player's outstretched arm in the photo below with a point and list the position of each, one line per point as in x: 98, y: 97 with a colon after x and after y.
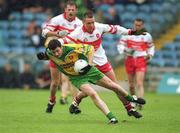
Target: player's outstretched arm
x: 42, y: 56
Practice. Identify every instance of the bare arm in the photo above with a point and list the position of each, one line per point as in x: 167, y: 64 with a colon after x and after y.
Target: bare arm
x: 58, y: 34
x: 90, y: 56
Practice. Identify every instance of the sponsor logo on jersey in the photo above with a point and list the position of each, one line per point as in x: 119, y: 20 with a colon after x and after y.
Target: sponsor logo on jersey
x: 85, y: 40
x: 75, y: 25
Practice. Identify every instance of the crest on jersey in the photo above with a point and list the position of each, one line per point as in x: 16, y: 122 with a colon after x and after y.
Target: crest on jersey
x: 71, y: 57
x: 85, y: 39
x: 142, y: 39
x: 75, y: 25
x: 97, y: 35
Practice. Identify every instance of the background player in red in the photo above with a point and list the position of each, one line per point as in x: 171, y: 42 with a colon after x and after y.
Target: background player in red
x: 139, y: 49
x: 59, y: 26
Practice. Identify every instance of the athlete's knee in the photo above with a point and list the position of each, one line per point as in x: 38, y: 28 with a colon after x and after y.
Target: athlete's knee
x: 131, y: 87
x: 139, y: 84
x: 114, y: 86
x: 64, y: 80
x: 54, y: 83
x: 83, y: 95
x: 93, y: 95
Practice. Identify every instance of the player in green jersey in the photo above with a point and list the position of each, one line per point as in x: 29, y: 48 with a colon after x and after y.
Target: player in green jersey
x: 65, y: 57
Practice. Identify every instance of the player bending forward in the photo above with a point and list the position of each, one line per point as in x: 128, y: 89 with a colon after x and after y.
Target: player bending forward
x: 91, y: 33
x: 65, y: 57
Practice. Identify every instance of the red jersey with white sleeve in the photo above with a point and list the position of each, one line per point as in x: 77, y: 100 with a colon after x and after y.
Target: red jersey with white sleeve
x: 59, y: 23
x: 81, y: 36
x: 137, y: 48
x: 137, y: 45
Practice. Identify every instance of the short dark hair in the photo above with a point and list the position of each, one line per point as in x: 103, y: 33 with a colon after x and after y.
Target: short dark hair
x: 53, y: 44
x: 88, y: 14
x: 139, y: 20
x: 71, y: 3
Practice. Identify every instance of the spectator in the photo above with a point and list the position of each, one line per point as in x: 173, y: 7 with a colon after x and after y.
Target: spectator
x: 99, y: 16
x: 97, y: 3
x: 44, y: 78
x: 9, y: 77
x: 3, y: 10
x: 139, y: 2
x: 36, y: 38
x: 110, y: 2
x: 31, y: 28
x: 114, y: 19
x: 89, y: 4
x: 27, y: 79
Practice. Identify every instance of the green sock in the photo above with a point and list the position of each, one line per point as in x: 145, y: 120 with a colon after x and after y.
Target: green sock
x: 110, y: 115
x: 129, y: 98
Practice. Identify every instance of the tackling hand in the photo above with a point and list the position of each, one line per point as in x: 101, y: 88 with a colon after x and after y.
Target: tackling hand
x: 63, y: 33
x: 41, y: 56
x: 85, y: 70
x: 148, y: 58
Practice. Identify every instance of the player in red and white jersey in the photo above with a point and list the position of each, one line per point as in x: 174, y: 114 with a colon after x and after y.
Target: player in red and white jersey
x: 59, y: 26
x: 62, y: 24
x: 91, y: 33
x: 139, y: 49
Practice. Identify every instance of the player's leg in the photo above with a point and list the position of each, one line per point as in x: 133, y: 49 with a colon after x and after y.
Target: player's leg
x: 65, y: 88
x: 108, y: 71
x: 130, y: 71
x: 55, y: 77
x: 131, y: 111
x: 131, y: 81
x: 130, y: 66
x: 140, y: 86
x: 87, y: 89
x: 74, y: 109
x: 73, y: 90
x: 140, y: 74
x: 139, y: 82
x: 109, y: 84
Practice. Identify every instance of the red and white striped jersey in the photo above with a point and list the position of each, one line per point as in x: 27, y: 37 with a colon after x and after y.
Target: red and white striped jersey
x: 141, y: 45
x: 59, y: 23
x: 81, y: 36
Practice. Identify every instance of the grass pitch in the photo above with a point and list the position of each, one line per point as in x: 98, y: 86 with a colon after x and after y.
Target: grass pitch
x: 24, y: 112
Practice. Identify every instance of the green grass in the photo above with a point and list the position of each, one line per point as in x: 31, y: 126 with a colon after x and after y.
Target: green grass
x: 24, y: 112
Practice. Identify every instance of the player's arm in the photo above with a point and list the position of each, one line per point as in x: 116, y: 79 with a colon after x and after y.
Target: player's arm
x: 50, y: 29
x: 124, y: 31
x: 42, y: 56
x: 70, y: 38
x: 63, y: 40
x: 115, y: 29
x: 151, y: 48
x: 122, y: 45
x: 106, y: 28
x: 87, y: 51
x: 90, y: 54
x: 123, y: 48
x: 58, y: 34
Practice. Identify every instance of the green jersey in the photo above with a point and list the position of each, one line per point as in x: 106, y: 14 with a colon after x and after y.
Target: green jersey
x: 70, y: 54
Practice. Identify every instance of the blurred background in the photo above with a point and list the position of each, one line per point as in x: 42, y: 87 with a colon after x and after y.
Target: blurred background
x: 21, y: 22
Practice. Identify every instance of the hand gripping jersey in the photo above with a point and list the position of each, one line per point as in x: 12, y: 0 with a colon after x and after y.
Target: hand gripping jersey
x: 71, y: 53
x: 59, y: 23
x: 141, y: 45
x: 80, y: 35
